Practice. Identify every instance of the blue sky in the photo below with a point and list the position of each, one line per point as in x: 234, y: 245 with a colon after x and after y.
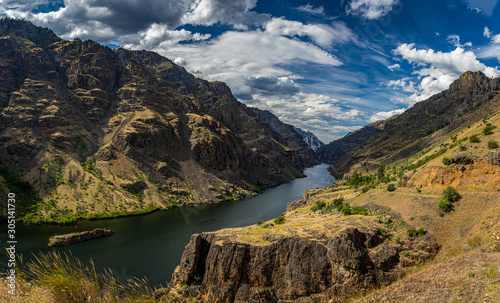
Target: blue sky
x: 328, y: 67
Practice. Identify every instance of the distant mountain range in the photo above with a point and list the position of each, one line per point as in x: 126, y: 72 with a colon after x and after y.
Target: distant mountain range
x: 96, y: 130
x: 310, y: 139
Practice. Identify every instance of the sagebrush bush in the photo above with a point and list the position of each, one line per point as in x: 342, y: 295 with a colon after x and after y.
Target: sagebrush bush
x: 451, y: 194
x: 391, y: 187
x: 474, y: 139
x: 279, y: 220
x: 445, y: 205
x: 492, y: 144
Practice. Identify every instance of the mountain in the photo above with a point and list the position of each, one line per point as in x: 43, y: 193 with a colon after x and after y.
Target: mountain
x: 290, y: 136
x: 94, y: 130
x: 335, y: 150
x: 311, y: 140
x: 469, y: 99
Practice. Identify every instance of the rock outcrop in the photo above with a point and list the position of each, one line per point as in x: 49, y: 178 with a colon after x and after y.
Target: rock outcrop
x: 331, y: 259
x: 68, y: 239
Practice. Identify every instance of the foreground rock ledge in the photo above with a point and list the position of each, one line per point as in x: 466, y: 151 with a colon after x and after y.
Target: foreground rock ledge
x: 68, y: 239
x: 310, y: 258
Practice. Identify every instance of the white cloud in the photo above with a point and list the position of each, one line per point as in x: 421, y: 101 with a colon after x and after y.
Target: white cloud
x: 385, y: 115
x: 158, y: 35
x: 209, y: 12
x: 110, y: 20
x: 487, y: 32
x: 437, y: 70
x: 237, y: 57
x: 455, y: 40
x: 496, y: 39
x: 394, y: 67
x: 308, y: 8
x: 315, y: 112
x: 321, y: 34
x: 371, y: 9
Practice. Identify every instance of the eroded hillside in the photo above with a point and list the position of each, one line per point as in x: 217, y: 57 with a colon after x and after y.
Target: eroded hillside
x: 99, y: 131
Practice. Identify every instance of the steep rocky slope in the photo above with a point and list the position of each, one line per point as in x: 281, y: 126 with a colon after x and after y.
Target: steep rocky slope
x: 469, y: 99
x: 311, y: 140
x: 291, y: 137
x: 96, y: 130
x: 335, y: 150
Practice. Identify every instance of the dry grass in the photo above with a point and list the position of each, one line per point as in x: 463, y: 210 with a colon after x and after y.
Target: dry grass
x: 471, y: 277
x: 57, y: 278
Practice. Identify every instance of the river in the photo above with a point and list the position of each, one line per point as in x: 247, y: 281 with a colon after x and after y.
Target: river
x: 151, y: 245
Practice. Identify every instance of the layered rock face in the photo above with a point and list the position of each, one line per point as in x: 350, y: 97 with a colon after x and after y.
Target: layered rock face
x: 331, y: 261
x: 99, y: 130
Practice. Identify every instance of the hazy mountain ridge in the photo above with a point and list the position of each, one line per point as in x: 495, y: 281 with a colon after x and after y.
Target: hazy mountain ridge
x: 97, y: 130
x: 311, y: 140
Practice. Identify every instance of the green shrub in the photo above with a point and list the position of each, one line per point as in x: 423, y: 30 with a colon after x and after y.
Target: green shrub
x: 411, y: 232
x: 420, y: 232
x: 358, y: 210
x: 279, y: 220
x: 492, y: 144
x: 488, y: 129
x: 445, y: 205
x: 462, y: 148
x: 259, y: 222
x: 365, y: 189
x: 346, y: 210
x: 451, y: 194
x: 391, y: 187
x: 419, y: 190
x: 319, y: 205
x: 447, y: 161
x: 474, y: 139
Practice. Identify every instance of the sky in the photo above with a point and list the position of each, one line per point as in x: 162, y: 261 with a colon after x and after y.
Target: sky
x: 326, y: 66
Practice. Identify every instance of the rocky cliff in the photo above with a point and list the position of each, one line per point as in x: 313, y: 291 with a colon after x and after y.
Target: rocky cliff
x: 288, y: 135
x: 312, y: 257
x: 469, y: 99
x: 97, y: 130
x: 311, y: 140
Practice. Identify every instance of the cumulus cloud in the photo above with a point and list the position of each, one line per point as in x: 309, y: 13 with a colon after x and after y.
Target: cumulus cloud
x: 105, y: 20
x: 234, y: 12
x: 371, y: 9
x: 321, y: 34
x: 158, y: 35
x: 308, y: 8
x: 496, y: 39
x: 436, y: 70
x: 385, y: 115
x: 239, y: 58
x: 394, y: 67
x: 109, y: 20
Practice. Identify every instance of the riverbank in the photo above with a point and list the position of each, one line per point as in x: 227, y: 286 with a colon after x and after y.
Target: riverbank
x: 143, y: 241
